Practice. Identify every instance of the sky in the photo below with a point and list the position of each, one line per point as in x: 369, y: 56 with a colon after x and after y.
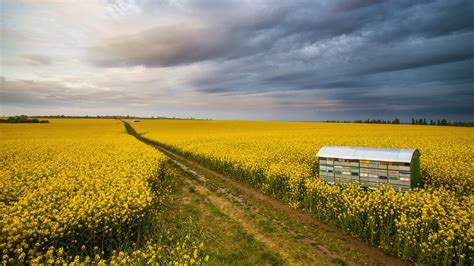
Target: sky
x: 258, y: 60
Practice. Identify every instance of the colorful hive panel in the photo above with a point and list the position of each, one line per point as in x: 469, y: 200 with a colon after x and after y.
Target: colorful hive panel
x: 369, y: 173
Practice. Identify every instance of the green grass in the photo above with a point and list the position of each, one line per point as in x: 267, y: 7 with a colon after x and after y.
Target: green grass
x: 225, y: 241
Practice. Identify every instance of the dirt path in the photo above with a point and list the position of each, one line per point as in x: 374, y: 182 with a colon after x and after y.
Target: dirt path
x: 295, y: 236
x: 239, y: 216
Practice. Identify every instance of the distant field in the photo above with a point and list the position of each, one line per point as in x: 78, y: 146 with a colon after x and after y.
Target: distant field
x: 289, y: 148
x: 432, y: 224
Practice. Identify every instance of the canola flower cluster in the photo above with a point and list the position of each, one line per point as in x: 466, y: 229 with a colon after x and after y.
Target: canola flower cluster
x: 152, y: 253
x: 79, y: 191
x: 433, y: 224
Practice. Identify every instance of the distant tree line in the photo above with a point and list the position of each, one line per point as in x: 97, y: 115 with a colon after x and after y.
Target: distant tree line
x: 423, y: 121
x: 420, y: 121
x: 101, y: 117
x: 22, y: 119
x: 442, y: 122
x: 378, y: 121
x: 368, y: 121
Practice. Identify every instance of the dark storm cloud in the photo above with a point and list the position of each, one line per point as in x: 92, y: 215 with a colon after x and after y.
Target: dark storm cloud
x: 348, y: 52
x: 435, y: 18
x: 354, y: 4
x: 417, y: 54
x: 224, y: 30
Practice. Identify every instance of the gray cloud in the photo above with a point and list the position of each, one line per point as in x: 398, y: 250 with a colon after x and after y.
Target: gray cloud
x: 220, y: 30
x: 206, y: 31
x: 162, y: 46
x: 37, y: 60
x: 28, y: 92
x: 51, y: 93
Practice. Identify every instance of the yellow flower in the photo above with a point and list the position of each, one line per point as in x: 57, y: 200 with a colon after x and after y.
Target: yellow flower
x: 280, y: 159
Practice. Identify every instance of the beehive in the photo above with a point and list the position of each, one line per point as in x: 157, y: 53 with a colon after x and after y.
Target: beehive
x: 370, y: 167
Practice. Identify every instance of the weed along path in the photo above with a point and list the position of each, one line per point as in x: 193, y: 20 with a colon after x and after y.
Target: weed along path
x: 243, y: 226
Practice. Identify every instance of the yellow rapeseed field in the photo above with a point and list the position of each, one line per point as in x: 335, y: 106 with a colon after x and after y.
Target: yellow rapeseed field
x: 433, y: 224
x: 80, y: 190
